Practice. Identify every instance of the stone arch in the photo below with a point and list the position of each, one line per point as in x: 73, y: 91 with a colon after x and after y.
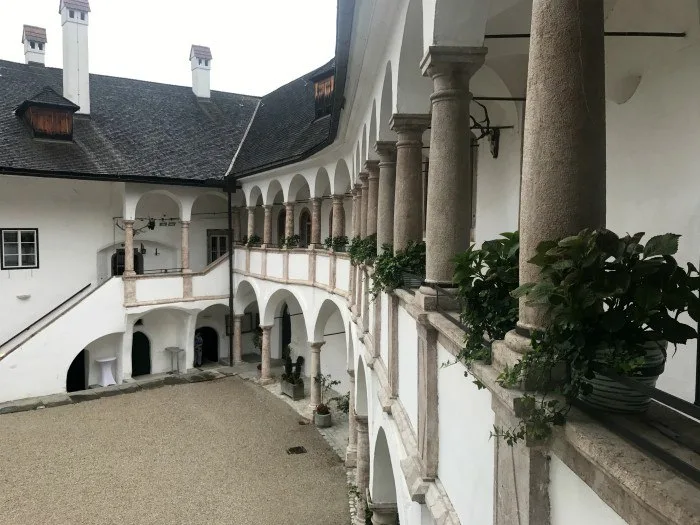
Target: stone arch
x: 149, y: 196
x: 298, y: 189
x: 253, y: 195
x: 386, y: 104
x: 412, y: 89
x: 215, y: 345
x: 361, y: 393
x: 341, y: 178
x: 373, y: 133
x: 274, y: 304
x: 330, y: 327
x: 285, y: 307
x: 322, y: 184
x: 274, y: 194
x: 382, y: 484
x: 245, y: 294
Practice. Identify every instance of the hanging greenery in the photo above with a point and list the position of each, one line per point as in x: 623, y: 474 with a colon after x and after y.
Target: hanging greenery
x: 363, y: 250
x: 253, y: 240
x: 337, y: 244
x: 607, y: 300
x: 391, y: 270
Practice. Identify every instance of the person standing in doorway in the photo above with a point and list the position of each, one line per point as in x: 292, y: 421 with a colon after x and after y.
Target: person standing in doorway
x: 198, y: 344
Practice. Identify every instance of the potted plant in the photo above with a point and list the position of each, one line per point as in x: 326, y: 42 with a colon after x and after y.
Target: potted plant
x: 485, y: 278
x: 292, y: 242
x: 292, y: 384
x: 404, y: 268
x: 337, y: 244
x: 322, y: 413
x: 611, y: 304
x: 253, y: 240
x: 363, y: 250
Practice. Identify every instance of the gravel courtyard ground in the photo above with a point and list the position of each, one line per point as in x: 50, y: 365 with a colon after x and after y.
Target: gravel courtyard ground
x: 203, y: 453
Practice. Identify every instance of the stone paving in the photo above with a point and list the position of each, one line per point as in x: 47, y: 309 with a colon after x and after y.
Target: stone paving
x: 336, y: 436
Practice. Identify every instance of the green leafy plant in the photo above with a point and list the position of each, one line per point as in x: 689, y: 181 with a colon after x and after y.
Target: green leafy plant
x: 390, y: 268
x: 485, y: 278
x: 363, y: 250
x: 337, y: 244
x: 292, y: 370
x: 253, y: 240
x: 605, y: 299
x: 342, y: 402
x: 326, y: 383
x: 292, y: 242
x: 328, y: 243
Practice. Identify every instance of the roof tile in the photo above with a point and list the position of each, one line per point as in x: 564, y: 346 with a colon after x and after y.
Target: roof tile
x: 33, y: 33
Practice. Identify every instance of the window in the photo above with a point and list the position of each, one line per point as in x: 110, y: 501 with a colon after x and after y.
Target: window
x: 32, y: 45
x: 82, y: 16
x: 323, y: 92
x: 20, y: 249
x: 41, y: 46
x: 71, y: 13
x: 217, y: 244
x: 206, y: 63
x: 200, y: 61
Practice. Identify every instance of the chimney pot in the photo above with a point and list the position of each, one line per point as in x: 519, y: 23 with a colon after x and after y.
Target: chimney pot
x: 200, y: 62
x: 34, y: 40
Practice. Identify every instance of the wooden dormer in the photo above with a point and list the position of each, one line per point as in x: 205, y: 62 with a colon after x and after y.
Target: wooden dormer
x: 48, y: 115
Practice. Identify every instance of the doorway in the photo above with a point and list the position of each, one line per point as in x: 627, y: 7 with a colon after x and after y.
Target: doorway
x: 210, y: 344
x: 118, y: 259
x: 286, y: 338
x: 140, y: 355
x: 77, y: 377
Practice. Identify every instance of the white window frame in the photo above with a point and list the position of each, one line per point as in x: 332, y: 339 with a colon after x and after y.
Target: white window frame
x: 19, y: 232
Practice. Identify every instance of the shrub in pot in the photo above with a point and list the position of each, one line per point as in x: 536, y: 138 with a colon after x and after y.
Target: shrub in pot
x: 611, y: 305
x: 485, y: 278
x: 292, y: 384
x: 292, y: 242
x: 337, y: 244
x: 253, y: 240
x: 363, y: 250
x: 404, y: 268
x: 322, y: 412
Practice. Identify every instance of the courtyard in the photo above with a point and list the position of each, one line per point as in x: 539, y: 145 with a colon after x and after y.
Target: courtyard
x: 211, y: 453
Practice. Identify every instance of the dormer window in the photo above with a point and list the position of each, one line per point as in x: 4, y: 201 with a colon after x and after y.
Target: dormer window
x: 323, y: 93
x: 48, y: 115
x: 71, y: 13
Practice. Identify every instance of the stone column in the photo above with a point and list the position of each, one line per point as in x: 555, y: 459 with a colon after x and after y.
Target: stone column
x: 265, y: 377
x: 372, y: 167
x: 251, y: 221
x: 129, y: 248
x: 351, y: 452
x: 449, y: 210
x: 288, y: 219
x: 315, y: 223
x: 314, y: 372
x: 384, y: 513
x: 267, y: 226
x: 408, y: 197
x: 356, y: 209
x: 236, y: 216
x: 364, y: 195
x: 338, y: 216
x: 385, y: 197
x: 362, y: 470
x: 563, y: 174
x: 237, y: 340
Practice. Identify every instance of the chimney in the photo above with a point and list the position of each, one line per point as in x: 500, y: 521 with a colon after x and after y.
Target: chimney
x: 76, y: 71
x: 34, y: 40
x: 200, y: 60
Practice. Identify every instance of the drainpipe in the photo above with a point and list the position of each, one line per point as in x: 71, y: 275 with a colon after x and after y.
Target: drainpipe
x: 229, y: 328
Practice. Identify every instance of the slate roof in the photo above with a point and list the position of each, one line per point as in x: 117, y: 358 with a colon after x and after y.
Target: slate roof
x: 139, y: 131
x: 47, y: 97
x: 78, y: 5
x: 33, y: 34
x: 201, y: 52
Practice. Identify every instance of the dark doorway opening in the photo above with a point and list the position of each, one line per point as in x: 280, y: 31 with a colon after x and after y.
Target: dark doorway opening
x: 140, y: 355
x: 281, y: 226
x: 77, y: 377
x: 304, y: 228
x: 210, y: 344
x: 286, y: 331
x: 118, y: 259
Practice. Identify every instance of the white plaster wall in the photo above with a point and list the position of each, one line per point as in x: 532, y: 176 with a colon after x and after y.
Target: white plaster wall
x: 157, y: 288
x: 256, y: 262
x: 299, y: 266
x: 652, y: 170
x: 74, y: 219
x: 466, y: 452
x: 572, y: 502
x: 213, y: 283
x: 164, y: 327
x: 239, y: 258
x: 384, y: 340
x: 323, y: 269
x: 334, y: 352
x: 275, y: 264
x: 342, y: 273
x: 408, y: 365
x: 39, y: 366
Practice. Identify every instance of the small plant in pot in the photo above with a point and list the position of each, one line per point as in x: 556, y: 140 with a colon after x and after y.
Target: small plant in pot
x: 292, y: 384
x: 405, y: 268
x: 611, y: 305
x: 322, y: 412
x: 292, y: 242
x: 253, y: 240
x: 337, y: 244
x: 363, y: 250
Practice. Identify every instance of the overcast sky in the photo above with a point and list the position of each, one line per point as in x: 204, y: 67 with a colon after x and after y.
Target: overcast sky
x: 258, y: 45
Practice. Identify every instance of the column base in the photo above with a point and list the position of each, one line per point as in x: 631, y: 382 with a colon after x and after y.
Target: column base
x: 429, y: 299
x: 265, y: 381
x: 351, y: 456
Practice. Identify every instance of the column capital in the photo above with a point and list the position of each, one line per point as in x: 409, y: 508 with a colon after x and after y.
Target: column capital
x: 251, y: 208
x: 315, y: 201
x: 185, y: 224
x: 361, y: 422
x: 410, y: 122
x: 356, y: 190
x: 316, y: 345
x: 372, y: 167
x: 386, y: 149
x: 363, y: 176
x: 442, y: 60
x: 238, y: 317
x: 266, y: 328
x: 338, y: 199
x: 128, y: 222
x: 267, y: 207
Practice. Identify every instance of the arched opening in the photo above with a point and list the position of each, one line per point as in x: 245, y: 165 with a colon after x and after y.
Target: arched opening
x: 157, y: 234
x: 304, y: 228
x: 360, y: 389
x: 208, y: 237
x: 281, y: 225
x: 286, y: 336
x: 140, y: 355
x: 382, y: 483
x: 77, y: 376
x: 209, y: 340
x: 246, y: 302
x: 330, y: 328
